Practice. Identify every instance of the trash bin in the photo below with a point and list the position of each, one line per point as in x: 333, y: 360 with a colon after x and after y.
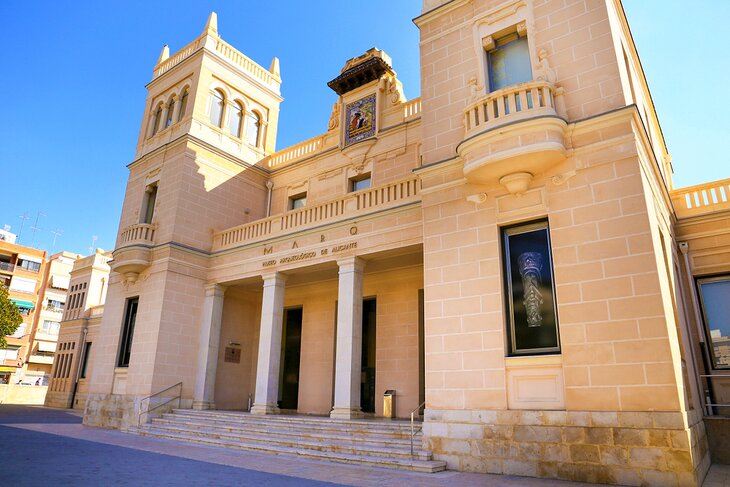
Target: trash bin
x: 389, y: 404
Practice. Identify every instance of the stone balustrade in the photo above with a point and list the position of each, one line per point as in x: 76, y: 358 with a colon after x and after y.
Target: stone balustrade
x: 228, y: 52
x: 412, y: 109
x: 701, y: 199
x: 139, y: 233
x: 348, y: 206
x: 297, y: 152
x: 177, y: 58
x: 247, y: 65
x: 525, y: 100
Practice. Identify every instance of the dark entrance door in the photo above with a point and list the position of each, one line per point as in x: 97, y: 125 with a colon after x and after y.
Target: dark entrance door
x: 367, y: 384
x: 291, y: 350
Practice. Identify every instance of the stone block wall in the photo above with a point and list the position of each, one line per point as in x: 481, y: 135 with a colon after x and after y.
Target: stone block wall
x: 626, y: 448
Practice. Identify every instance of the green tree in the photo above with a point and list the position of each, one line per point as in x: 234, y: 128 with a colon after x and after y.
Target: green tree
x: 10, y: 318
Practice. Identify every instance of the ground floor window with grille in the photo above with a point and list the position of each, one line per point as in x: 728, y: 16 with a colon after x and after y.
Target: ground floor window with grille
x: 532, y: 324
x: 715, y: 300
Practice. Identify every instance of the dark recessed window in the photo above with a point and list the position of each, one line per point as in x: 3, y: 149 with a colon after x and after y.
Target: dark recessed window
x: 85, y: 363
x: 253, y: 128
x: 148, y: 204
x: 125, y: 345
x: 156, y: 119
x: 298, y: 201
x: 532, y: 325
x: 360, y: 182
x: 509, y: 62
x: 183, y: 105
x: 714, y: 298
x: 217, y: 101
x: 170, y: 108
x: 235, y: 118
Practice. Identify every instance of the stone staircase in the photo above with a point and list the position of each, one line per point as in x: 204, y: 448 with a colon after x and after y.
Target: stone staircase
x: 377, y: 442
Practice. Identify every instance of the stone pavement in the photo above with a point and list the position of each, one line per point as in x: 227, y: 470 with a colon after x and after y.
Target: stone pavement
x: 719, y: 476
x: 45, y: 446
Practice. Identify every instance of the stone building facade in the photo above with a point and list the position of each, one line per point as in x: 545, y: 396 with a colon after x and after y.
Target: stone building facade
x: 79, y: 327
x: 508, y: 248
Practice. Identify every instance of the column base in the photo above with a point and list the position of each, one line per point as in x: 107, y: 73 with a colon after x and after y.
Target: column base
x: 203, y: 405
x: 346, y: 413
x: 262, y: 409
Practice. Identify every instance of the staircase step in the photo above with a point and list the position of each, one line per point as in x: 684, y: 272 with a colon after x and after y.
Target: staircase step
x: 296, y: 441
x: 285, y: 427
x: 274, y: 432
x: 341, y: 457
x: 403, y: 426
x: 374, y: 442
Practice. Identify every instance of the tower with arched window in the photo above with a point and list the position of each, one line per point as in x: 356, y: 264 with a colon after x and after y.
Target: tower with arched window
x: 209, y: 121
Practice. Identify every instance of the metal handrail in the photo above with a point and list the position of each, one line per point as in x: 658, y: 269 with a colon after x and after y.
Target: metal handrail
x: 413, y: 428
x: 148, y: 398
x: 708, y: 402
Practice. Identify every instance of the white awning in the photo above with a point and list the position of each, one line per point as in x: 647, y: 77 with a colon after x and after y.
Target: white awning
x: 60, y: 282
x: 23, y: 285
x: 46, y: 346
x: 38, y: 260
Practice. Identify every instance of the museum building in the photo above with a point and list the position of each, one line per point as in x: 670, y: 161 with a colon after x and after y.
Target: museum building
x: 507, y: 249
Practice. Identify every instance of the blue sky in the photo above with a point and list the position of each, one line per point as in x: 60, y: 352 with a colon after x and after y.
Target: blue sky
x: 73, y: 77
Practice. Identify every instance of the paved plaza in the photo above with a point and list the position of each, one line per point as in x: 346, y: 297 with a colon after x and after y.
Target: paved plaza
x: 51, y: 447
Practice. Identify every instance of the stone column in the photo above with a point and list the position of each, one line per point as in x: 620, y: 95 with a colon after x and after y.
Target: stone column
x: 269, y: 360
x: 210, y: 338
x: 348, y: 359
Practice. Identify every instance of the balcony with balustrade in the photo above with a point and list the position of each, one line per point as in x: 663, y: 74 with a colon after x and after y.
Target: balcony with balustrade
x: 132, y: 255
x: 513, y: 134
x: 352, y: 205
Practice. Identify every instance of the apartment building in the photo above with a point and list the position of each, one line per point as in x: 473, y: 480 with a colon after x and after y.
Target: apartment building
x: 79, y: 328
x: 37, y: 285
x: 21, y: 271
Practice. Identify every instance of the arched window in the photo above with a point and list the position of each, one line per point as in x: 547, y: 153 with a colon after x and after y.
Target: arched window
x: 235, y: 117
x: 217, y: 101
x: 156, y: 120
x: 183, y: 105
x: 170, y: 108
x: 253, y: 128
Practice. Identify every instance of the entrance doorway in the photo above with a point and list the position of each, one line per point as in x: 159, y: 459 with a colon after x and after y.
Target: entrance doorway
x: 367, y: 384
x: 291, y: 343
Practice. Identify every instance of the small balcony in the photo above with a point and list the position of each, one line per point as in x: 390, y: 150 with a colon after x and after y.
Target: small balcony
x: 514, y: 133
x: 137, y: 234
x: 132, y: 255
x: 7, y: 267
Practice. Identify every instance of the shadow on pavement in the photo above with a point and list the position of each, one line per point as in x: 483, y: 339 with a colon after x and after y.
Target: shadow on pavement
x: 42, y: 459
x: 16, y: 414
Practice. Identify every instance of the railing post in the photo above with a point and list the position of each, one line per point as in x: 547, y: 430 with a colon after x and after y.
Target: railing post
x: 412, y: 434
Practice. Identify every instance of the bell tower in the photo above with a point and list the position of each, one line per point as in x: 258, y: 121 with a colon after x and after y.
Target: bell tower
x: 212, y: 91
x: 210, y: 116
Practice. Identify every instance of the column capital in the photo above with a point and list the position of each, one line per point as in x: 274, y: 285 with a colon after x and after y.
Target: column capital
x: 274, y: 278
x: 352, y: 263
x: 215, y: 290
